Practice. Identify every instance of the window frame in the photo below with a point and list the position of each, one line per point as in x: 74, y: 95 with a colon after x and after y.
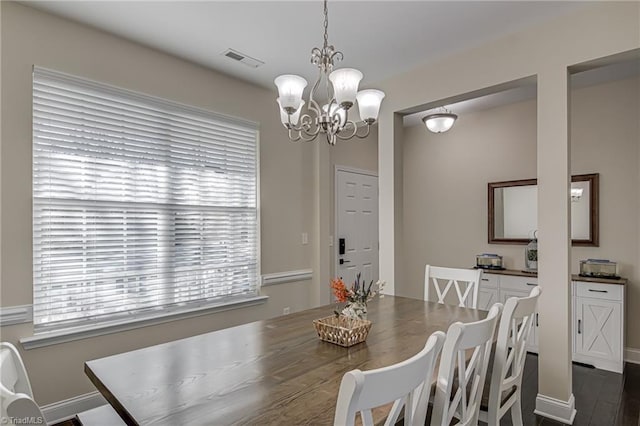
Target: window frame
x: 160, y: 313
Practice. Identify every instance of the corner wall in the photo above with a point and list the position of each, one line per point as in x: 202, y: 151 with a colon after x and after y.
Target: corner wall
x: 31, y: 37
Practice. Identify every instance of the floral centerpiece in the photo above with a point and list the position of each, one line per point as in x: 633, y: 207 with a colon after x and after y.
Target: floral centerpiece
x: 356, y: 296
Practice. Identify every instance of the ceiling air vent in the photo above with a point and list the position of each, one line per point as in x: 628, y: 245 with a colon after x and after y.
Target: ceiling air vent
x: 241, y: 57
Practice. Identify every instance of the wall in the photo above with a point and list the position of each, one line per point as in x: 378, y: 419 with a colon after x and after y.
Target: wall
x: 543, y: 52
x: 30, y: 37
x: 446, y: 176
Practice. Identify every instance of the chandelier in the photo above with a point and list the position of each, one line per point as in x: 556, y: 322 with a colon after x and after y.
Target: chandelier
x: 341, y: 86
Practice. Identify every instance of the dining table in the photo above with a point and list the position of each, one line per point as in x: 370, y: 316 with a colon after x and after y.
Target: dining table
x: 270, y: 372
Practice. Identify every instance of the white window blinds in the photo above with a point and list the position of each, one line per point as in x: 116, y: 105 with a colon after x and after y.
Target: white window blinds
x: 139, y: 204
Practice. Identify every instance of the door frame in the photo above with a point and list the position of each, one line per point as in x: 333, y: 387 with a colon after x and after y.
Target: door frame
x: 338, y: 168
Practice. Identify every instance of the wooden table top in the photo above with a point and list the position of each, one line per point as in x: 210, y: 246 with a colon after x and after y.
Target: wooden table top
x: 274, y: 371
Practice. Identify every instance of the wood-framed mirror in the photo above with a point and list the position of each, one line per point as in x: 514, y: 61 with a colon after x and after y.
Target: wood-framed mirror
x: 513, y: 210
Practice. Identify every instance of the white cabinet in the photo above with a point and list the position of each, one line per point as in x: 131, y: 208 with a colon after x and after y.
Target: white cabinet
x: 488, y: 291
x: 598, y: 326
x: 487, y: 297
x: 598, y: 316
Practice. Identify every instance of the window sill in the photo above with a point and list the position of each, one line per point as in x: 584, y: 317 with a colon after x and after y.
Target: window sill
x: 70, y: 335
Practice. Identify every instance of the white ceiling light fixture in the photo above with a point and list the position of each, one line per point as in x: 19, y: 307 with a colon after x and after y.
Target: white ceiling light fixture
x: 440, y: 122
x: 341, y: 87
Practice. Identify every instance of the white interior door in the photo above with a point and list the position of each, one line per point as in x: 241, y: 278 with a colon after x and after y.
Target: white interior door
x: 356, y: 225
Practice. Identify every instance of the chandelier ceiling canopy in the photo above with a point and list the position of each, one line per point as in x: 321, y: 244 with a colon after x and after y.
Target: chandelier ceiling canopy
x: 305, y: 120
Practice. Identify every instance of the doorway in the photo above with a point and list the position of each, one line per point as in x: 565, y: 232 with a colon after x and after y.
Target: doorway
x: 356, y: 203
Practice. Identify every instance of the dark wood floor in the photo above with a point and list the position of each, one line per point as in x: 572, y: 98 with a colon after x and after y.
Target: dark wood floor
x: 602, y: 398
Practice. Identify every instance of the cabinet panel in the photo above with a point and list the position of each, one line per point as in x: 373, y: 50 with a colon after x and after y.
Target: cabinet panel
x: 599, y: 291
x: 489, y: 280
x: 518, y: 283
x: 487, y: 297
x: 598, y: 328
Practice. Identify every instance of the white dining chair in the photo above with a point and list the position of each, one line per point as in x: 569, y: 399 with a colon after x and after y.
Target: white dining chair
x: 460, y: 382
x: 465, y: 282
x: 16, y: 395
x: 510, y: 355
x: 407, y: 384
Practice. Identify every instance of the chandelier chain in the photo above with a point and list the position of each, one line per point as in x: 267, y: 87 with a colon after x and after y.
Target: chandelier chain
x: 326, y: 25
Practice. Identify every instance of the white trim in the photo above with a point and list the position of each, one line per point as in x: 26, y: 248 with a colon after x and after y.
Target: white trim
x: 286, y: 277
x: 66, y: 409
x: 555, y: 409
x: 10, y: 315
x: 78, y: 333
x: 632, y: 355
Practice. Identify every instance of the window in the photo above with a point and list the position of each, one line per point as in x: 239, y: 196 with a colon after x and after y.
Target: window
x: 139, y: 205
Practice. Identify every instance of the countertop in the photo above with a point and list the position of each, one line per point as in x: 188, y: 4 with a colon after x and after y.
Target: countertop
x: 520, y: 273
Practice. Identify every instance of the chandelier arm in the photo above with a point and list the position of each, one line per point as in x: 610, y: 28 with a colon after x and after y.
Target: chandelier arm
x: 365, y: 133
x: 315, y: 89
x: 343, y: 135
x: 307, y: 137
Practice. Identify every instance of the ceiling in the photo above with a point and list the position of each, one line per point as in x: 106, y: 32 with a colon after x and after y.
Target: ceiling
x: 381, y: 38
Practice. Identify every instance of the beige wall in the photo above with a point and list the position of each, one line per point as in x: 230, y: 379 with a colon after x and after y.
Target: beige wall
x: 298, y: 176
x: 545, y: 52
x: 446, y: 176
x: 30, y: 37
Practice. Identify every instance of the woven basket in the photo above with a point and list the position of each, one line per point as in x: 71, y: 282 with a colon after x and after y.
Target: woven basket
x: 342, y: 330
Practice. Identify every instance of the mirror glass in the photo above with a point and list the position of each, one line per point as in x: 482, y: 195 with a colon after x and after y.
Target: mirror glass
x: 513, y: 207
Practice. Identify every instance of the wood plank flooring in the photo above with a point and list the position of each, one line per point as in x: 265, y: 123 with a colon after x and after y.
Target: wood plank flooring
x: 602, y: 398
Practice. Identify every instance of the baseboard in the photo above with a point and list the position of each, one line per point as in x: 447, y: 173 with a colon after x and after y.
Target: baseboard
x: 632, y: 355
x: 68, y: 408
x: 555, y: 409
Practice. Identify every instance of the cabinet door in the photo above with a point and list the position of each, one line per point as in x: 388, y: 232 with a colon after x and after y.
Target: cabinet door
x: 598, y: 328
x: 487, y: 297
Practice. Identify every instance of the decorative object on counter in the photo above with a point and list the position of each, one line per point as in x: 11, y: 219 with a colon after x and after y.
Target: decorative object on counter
x: 531, y: 254
x: 356, y: 297
x: 599, y: 268
x: 489, y: 261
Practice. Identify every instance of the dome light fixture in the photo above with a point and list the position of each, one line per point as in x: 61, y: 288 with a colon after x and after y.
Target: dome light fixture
x: 440, y: 121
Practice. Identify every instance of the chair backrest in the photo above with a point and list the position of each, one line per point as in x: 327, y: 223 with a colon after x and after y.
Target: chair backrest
x: 16, y: 396
x: 515, y: 327
x: 464, y: 281
x: 407, y: 384
x: 475, y: 338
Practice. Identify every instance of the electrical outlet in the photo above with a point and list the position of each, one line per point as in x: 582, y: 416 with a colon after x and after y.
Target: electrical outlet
x: 305, y: 238
x: 286, y: 311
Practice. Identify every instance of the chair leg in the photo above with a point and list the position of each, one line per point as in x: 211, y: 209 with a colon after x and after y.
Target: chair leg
x: 516, y: 411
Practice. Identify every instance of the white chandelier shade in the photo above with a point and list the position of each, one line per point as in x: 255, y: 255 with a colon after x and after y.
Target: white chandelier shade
x: 284, y: 117
x: 369, y: 102
x: 345, y: 83
x: 290, y: 89
x: 306, y: 120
